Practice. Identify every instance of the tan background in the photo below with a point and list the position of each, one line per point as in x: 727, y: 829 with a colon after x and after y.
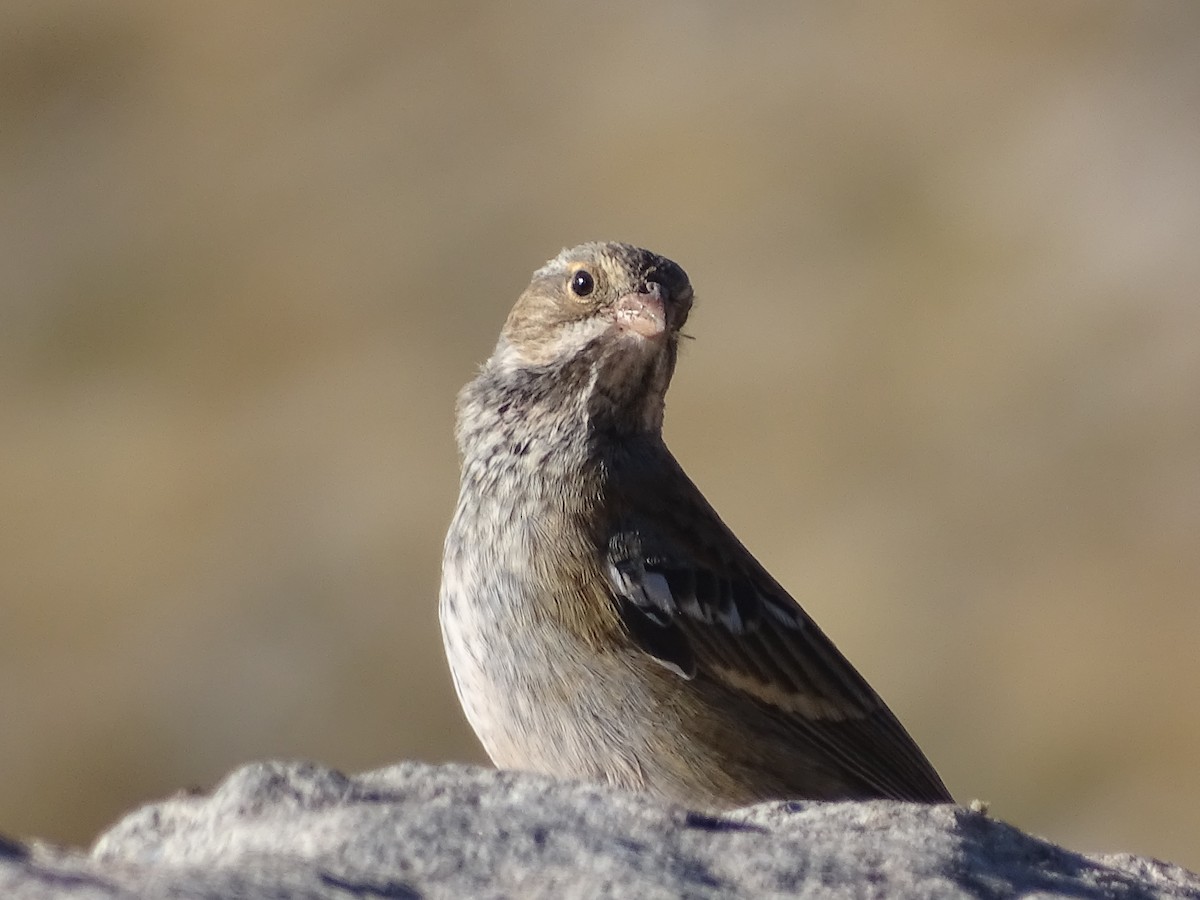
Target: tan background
x: 945, y: 378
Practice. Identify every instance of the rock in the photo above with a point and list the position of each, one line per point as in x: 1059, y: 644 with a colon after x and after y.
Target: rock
x: 274, y: 830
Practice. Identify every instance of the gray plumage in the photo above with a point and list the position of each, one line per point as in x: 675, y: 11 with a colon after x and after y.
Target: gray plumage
x: 600, y: 620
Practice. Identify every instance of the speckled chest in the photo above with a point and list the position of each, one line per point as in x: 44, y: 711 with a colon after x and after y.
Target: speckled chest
x: 517, y: 565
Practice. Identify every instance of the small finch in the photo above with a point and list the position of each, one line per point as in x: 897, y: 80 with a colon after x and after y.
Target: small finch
x: 601, y: 622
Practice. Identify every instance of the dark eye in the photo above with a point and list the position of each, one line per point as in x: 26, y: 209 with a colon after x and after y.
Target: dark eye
x: 582, y: 283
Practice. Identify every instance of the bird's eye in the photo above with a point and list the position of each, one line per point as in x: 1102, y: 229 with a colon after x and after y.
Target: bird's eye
x: 582, y: 283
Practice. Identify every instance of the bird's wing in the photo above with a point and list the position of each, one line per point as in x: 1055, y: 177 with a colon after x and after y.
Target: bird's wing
x: 692, y: 597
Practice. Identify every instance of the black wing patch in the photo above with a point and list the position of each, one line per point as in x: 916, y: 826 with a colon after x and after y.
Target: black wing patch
x: 645, y: 602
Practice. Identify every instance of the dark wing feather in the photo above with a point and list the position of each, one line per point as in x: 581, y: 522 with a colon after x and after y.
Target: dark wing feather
x: 693, y: 598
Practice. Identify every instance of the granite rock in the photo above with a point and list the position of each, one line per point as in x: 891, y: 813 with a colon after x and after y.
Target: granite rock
x: 276, y: 829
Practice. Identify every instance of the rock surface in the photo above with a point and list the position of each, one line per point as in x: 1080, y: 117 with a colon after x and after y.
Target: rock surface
x: 274, y: 830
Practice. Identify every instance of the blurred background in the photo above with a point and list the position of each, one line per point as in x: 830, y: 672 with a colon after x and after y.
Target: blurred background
x: 945, y: 381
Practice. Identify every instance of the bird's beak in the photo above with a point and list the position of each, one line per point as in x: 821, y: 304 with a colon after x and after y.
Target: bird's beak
x: 644, y: 311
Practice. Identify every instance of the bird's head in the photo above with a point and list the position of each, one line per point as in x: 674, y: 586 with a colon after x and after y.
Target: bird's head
x: 609, y: 312
x: 599, y: 291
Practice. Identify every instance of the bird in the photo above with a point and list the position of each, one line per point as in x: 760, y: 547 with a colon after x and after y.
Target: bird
x: 600, y: 621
